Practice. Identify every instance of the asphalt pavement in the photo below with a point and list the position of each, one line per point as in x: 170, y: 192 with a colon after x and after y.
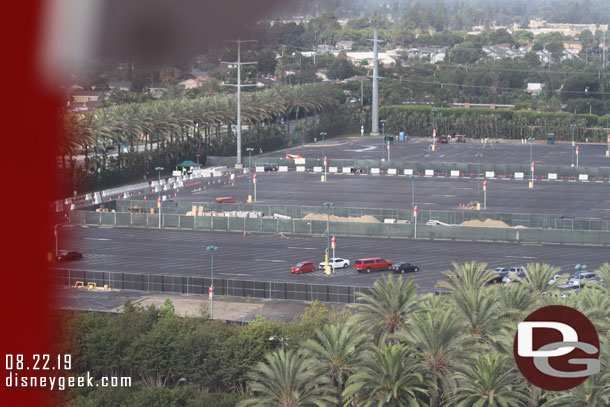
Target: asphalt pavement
x: 565, y: 198
x: 418, y: 149
x: 269, y: 257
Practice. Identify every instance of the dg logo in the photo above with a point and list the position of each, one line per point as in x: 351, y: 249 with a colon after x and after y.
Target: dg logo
x: 556, y: 348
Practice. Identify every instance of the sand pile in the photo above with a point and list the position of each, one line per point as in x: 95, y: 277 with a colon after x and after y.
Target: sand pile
x: 321, y: 216
x: 488, y: 223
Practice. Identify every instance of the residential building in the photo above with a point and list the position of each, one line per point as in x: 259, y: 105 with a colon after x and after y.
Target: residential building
x: 344, y: 45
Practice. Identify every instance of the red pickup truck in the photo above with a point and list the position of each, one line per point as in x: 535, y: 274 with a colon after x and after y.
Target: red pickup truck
x: 375, y: 263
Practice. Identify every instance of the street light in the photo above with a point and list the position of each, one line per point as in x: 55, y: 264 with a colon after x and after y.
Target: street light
x: 383, y: 122
x: 328, y: 205
x: 433, y: 129
x: 573, y: 126
x: 579, y: 267
x: 478, y: 156
x: 159, y: 169
x: 249, y: 150
x: 531, y: 141
x: 212, y: 249
x: 180, y: 381
x: 608, y: 150
x: 323, y: 134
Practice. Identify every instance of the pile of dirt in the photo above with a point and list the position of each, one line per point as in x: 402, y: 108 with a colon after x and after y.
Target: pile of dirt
x: 321, y: 216
x: 487, y: 223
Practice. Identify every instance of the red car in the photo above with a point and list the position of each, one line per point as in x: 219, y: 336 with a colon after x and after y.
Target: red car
x: 368, y: 265
x: 442, y: 139
x: 303, y: 267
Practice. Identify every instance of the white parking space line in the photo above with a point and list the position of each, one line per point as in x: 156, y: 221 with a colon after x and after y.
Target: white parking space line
x: 303, y: 248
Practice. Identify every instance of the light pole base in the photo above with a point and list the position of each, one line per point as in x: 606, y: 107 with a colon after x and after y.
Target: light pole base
x: 323, y: 178
x: 607, y: 153
x: 239, y: 166
x: 375, y: 133
x: 531, y: 185
x: 249, y: 198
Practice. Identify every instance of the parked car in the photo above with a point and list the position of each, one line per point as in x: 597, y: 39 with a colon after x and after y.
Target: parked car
x: 336, y: 263
x: 66, y: 255
x: 512, y: 277
x: 555, y: 278
x: 404, y: 267
x: 585, y: 278
x: 269, y: 167
x: 375, y: 263
x: 225, y: 199
x: 459, y: 138
x: 442, y: 139
x: 499, y: 274
x: 303, y: 267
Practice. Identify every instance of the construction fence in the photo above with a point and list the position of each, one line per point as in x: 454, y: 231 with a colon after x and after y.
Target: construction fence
x: 275, y: 290
x: 319, y: 227
x: 529, y: 220
x: 438, y: 168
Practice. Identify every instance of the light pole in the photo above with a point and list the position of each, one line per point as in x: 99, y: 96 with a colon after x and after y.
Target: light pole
x: 159, y: 169
x: 573, y: 126
x: 433, y: 129
x: 485, y: 195
x: 531, y: 141
x: 249, y: 150
x: 56, y: 241
x: 478, y: 156
x: 608, y: 150
x: 579, y: 267
x: 212, y: 249
x: 382, y: 135
x: 323, y: 134
x: 413, y: 208
x: 326, y: 267
x: 577, y: 156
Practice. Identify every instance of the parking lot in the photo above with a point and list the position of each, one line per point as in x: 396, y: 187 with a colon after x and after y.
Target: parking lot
x: 269, y: 257
x: 570, y: 199
x: 418, y: 149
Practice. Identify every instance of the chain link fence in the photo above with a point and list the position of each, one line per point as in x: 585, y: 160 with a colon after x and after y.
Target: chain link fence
x: 275, y: 290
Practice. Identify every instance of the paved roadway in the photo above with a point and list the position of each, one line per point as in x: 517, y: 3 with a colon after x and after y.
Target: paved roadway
x: 417, y: 149
x: 269, y: 257
x: 571, y: 199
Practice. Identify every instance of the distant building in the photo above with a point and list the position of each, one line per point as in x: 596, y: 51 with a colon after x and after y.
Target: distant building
x: 195, y: 82
x: 503, y: 51
x: 344, y: 45
x: 534, y: 88
x: 539, y: 26
x: 434, y: 54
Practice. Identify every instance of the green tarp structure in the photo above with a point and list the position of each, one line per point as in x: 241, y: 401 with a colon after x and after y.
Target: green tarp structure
x: 187, y: 164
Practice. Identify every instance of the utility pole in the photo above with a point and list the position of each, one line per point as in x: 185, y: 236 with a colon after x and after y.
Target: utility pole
x: 375, y: 112
x: 238, y: 163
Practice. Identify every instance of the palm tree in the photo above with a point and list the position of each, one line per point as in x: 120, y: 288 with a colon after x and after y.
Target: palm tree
x: 340, y: 348
x: 386, y: 378
x: 514, y: 300
x: 289, y: 379
x: 437, y: 339
x: 595, y: 304
x: 388, y: 307
x: 488, y: 382
x: 480, y: 312
x: 537, y: 277
x: 603, y: 272
x: 471, y: 276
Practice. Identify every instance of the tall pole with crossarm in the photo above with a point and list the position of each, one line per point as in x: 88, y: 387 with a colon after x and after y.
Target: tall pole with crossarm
x: 238, y: 163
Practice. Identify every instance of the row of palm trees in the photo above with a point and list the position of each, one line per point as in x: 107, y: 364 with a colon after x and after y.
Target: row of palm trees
x: 404, y: 349
x: 165, y: 120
